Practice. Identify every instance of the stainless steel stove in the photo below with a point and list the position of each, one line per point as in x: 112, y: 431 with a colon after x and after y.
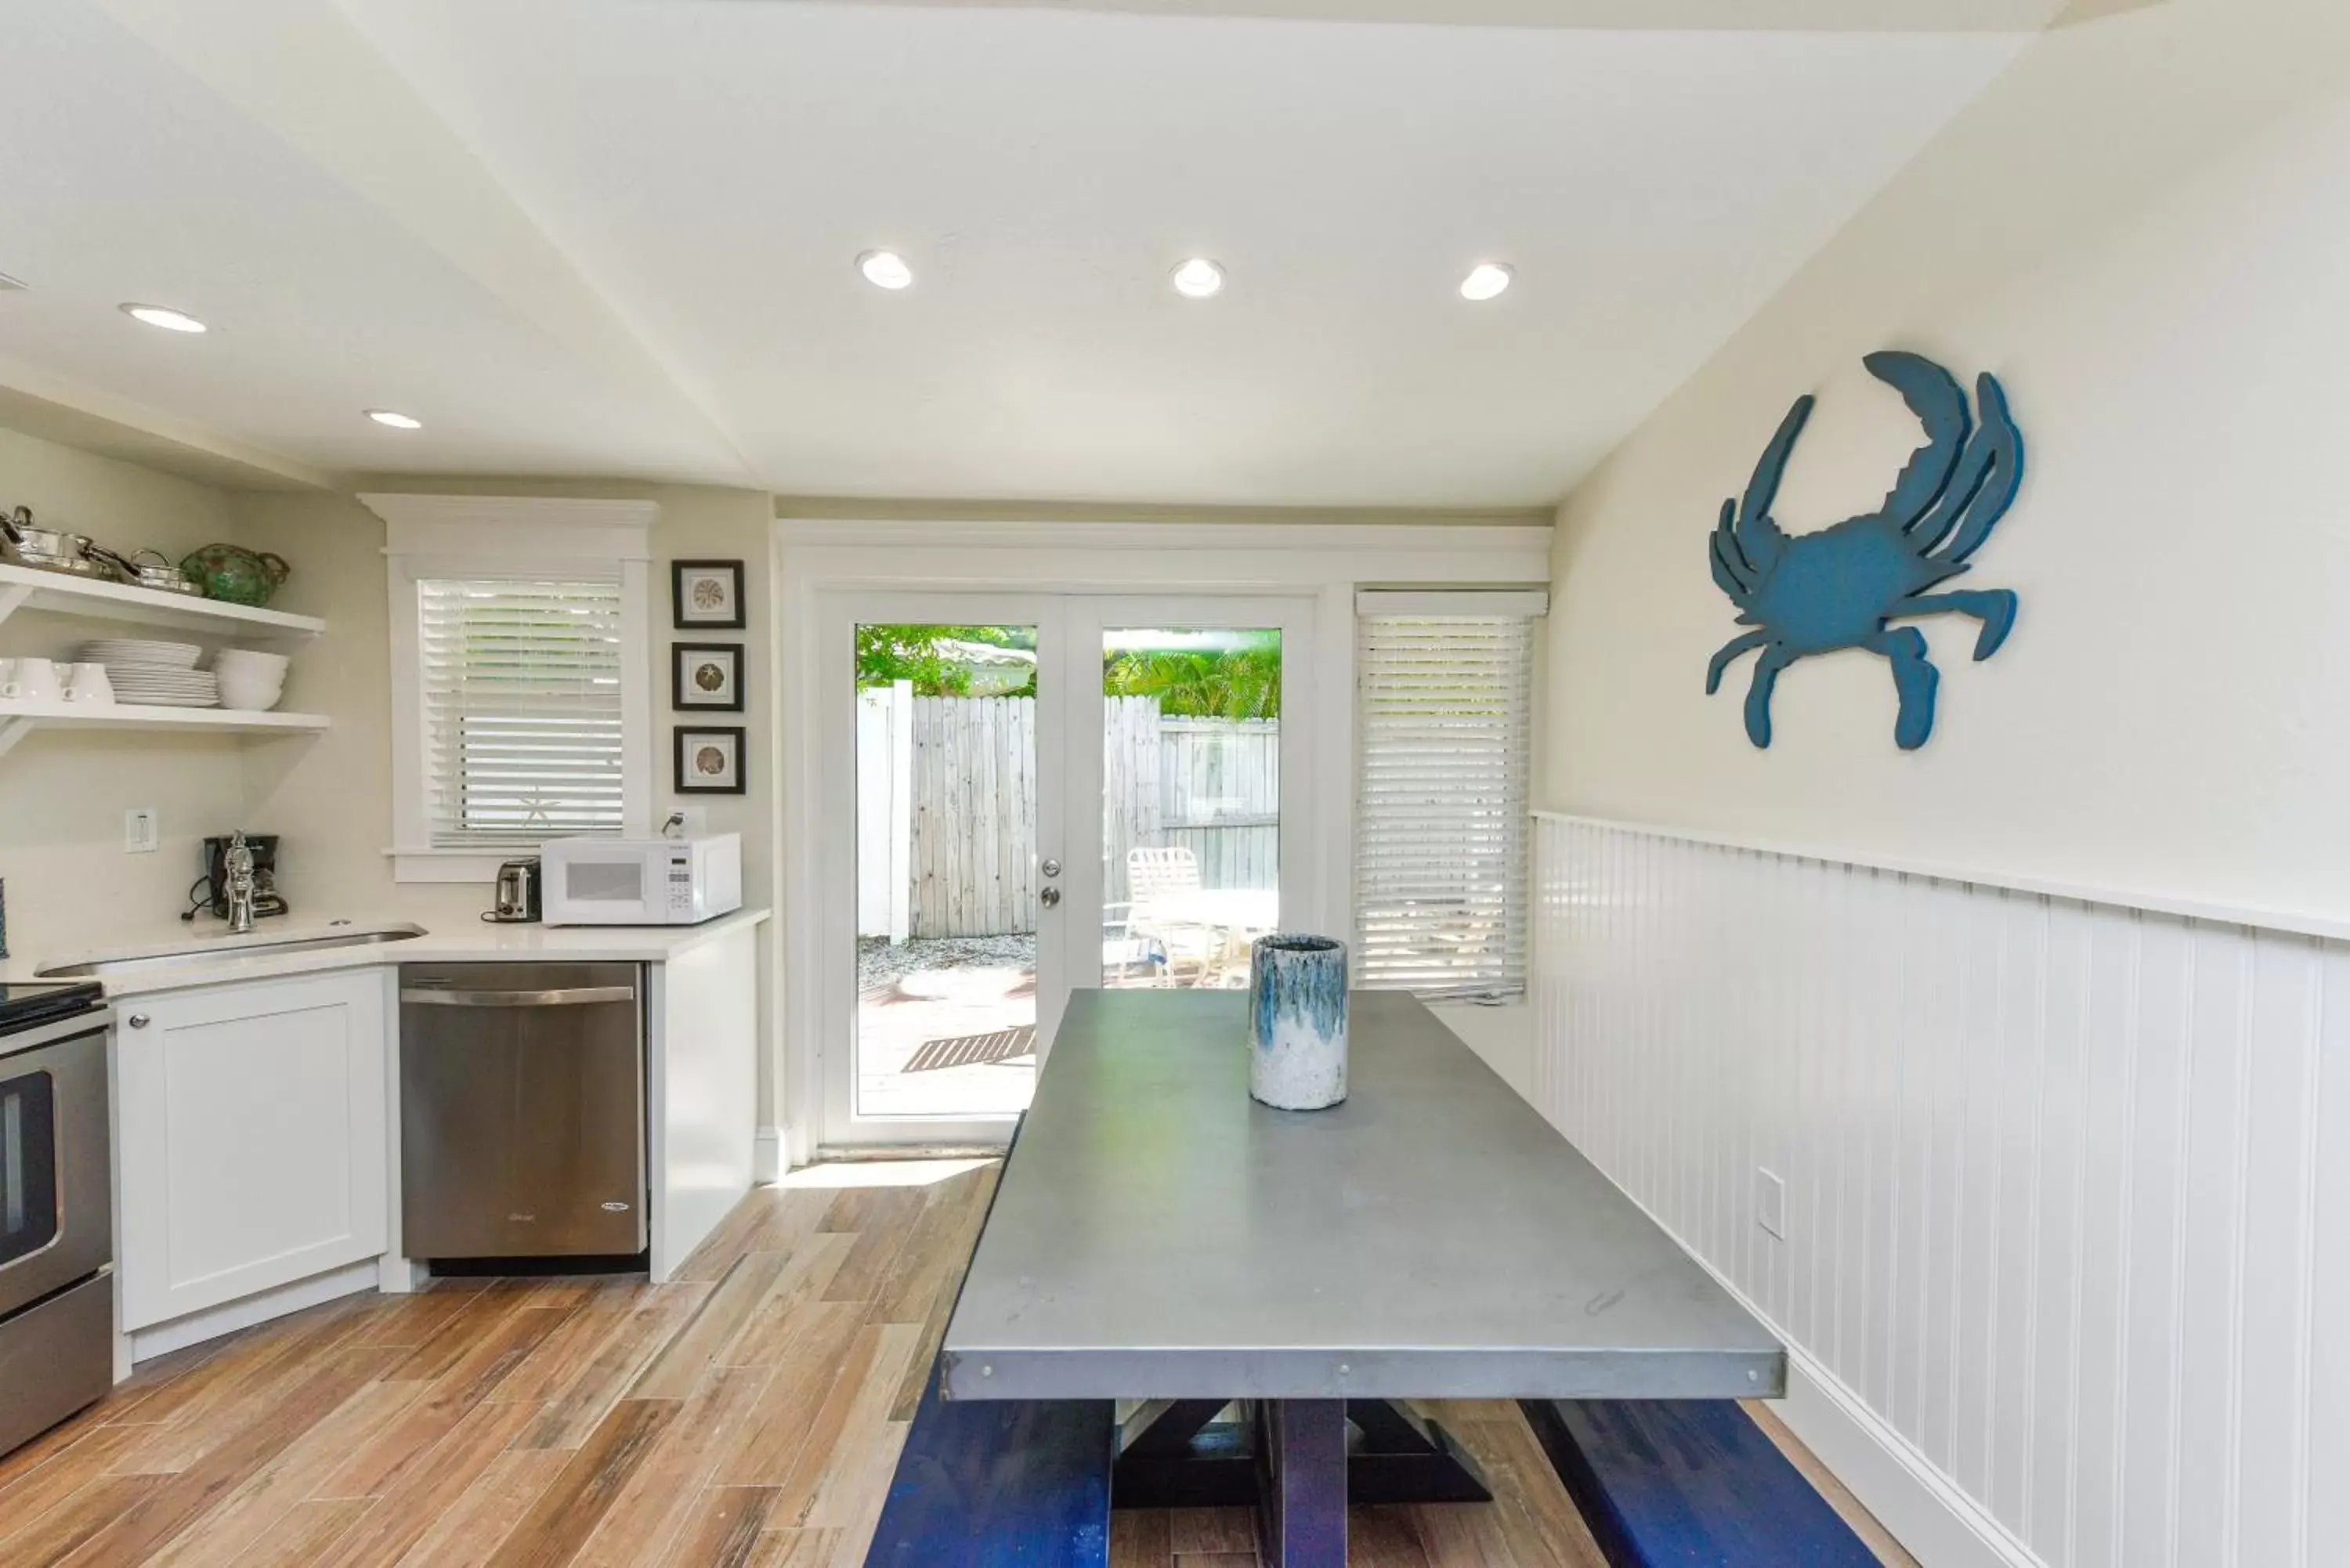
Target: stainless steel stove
x: 57, y: 1208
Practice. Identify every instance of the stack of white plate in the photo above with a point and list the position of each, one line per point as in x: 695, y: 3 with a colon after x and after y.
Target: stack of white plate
x: 155, y: 674
x: 152, y: 686
x: 113, y: 651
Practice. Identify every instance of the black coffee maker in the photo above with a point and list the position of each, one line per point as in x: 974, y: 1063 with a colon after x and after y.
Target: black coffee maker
x: 209, y: 895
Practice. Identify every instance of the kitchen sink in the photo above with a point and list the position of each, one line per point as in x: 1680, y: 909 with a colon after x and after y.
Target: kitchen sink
x: 102, y: 964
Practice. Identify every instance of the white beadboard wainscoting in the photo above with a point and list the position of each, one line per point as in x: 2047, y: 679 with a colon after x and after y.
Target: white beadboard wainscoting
x: 2067, y: 1254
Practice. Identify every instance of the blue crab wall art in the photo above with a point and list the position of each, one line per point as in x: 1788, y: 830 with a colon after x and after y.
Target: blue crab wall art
x: 1843, y: 585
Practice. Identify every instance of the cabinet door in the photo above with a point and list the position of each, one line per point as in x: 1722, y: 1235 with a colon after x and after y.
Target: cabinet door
x: 253, y: 1131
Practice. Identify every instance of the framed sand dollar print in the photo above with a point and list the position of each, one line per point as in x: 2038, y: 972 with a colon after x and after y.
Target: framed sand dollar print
x: 706, y: 675
x: 706, y: 596
x: 710, y: 760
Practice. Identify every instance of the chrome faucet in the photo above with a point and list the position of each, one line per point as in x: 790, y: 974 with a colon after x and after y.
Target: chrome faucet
x: 239, y: 864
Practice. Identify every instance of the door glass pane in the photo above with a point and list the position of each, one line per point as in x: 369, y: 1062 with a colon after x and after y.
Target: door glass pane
x: 28, y: 1165
x: 946, y: 870
x: 1190, y: 803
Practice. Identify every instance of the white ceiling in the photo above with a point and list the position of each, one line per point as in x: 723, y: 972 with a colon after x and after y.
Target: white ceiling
x: 615, y: 238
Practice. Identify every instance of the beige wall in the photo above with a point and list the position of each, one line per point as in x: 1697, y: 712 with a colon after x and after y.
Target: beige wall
x: 332, y: 802
x: 62, y: 796
x: 2144, y: 229
x: 329, y: 799
x: 62, y: 793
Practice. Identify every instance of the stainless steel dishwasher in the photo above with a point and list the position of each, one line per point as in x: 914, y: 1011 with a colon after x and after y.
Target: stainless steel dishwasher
x: 522, y: 1110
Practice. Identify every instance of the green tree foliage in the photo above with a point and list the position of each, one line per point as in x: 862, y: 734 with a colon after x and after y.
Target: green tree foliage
x: 1241, y: 682
x: 888, y: 654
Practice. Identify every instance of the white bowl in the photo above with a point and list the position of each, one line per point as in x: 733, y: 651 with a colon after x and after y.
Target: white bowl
x: 257, y: 697
x: 247, y: 659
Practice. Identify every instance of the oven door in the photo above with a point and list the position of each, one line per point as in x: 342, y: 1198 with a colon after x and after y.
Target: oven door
x: 56, y: 1206
x: 602, y: 885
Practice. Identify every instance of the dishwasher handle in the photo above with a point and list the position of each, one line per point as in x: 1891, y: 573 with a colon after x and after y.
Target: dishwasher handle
x: 573, y: 996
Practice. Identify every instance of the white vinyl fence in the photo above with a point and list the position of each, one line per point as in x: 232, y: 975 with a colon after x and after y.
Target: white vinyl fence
x: 946, y: 790
x: 884, y: 814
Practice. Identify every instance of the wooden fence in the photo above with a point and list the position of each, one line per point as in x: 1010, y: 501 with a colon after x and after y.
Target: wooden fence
x: 947, y: 806
x: 1208, y: 785
x: 974, y: 809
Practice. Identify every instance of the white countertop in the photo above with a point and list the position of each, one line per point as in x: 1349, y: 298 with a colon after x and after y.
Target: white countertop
x: 224, y: 957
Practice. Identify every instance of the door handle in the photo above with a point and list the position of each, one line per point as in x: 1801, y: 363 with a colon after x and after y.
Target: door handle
x: 1049, y: 897
x: 139, y: 1021
x: 578, y: 996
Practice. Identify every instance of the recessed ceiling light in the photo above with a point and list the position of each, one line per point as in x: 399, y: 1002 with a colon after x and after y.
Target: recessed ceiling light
x: 168, y: 320
x: 1198, y: 278
x: 1486, y: 280
x: 886, y: 269
x: 396, y: 420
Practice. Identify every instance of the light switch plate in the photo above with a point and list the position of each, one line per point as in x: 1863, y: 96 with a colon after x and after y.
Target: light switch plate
x: 139, y: 833
x: 1771, y: 1202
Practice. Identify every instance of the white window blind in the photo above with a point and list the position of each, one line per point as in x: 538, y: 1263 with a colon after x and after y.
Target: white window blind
x: 1444, y: 721
x: 523, y: 724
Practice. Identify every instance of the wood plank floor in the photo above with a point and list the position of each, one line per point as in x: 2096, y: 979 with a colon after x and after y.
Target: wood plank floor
x: 747, y: 1415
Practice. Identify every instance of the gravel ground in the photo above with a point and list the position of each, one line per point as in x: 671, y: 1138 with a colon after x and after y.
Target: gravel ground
x: 880, y: 964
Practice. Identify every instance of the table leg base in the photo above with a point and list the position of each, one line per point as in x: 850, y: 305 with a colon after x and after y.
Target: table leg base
x: 1175, y: 1454
x: 1403, y: 1459
x: 1300, y: 1511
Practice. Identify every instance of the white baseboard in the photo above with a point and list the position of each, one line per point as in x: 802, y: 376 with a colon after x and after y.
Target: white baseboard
x: 1936, y: 1523
x: 767, y: 1156
x: 1941, y: 1525
x: 146, y: 1343
x: 398, y: 1276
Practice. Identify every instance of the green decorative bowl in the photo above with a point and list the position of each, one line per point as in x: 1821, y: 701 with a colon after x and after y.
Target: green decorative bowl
x: 236, y: 574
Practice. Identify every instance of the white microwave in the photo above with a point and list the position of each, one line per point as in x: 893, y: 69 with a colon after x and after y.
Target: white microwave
x: 639, y: 881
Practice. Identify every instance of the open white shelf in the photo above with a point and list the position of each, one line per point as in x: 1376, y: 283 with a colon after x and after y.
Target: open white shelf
x: 23, y: 587
x: 19, y: 718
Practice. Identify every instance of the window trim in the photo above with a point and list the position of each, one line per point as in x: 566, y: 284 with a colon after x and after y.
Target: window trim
x: 1531, y: 605
x: 430, y: 536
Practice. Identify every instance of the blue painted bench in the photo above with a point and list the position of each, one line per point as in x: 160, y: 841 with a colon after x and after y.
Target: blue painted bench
x: 1690, y: 1483
x: 991, y: 1483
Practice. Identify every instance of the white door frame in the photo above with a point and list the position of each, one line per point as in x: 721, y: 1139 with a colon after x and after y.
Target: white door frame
x: 838, y: 614
x: 1304, y: 892
x: 1330, y: 560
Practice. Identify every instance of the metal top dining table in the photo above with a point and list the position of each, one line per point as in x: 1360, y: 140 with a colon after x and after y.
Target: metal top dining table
x: 1158, y: 1237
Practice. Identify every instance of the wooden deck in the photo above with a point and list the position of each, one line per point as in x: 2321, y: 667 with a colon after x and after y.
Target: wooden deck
x: 747, y: 1415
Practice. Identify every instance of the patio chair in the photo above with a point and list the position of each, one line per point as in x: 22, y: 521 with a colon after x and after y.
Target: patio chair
x: 1191, y: 954
x: 1153, y: 873
x: 1130, y: 958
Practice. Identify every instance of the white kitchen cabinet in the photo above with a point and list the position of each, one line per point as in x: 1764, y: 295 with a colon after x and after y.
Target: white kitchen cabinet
x: 251, y: 1136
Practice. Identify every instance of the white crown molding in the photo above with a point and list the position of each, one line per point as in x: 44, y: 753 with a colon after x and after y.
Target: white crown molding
x: 1052, y: 535
x: 1053, y: 556
x: 514, y: 524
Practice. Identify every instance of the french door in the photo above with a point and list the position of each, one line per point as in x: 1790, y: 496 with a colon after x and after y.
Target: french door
x: 1026, y: 794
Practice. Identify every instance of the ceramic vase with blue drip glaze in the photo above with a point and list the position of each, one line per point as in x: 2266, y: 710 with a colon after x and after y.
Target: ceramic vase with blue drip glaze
x: 1298, y: 1022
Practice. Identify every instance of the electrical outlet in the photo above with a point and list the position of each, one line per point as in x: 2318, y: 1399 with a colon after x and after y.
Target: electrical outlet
x: 696, y: 823
x: 1771, y: 1202
x: 139, y: 834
